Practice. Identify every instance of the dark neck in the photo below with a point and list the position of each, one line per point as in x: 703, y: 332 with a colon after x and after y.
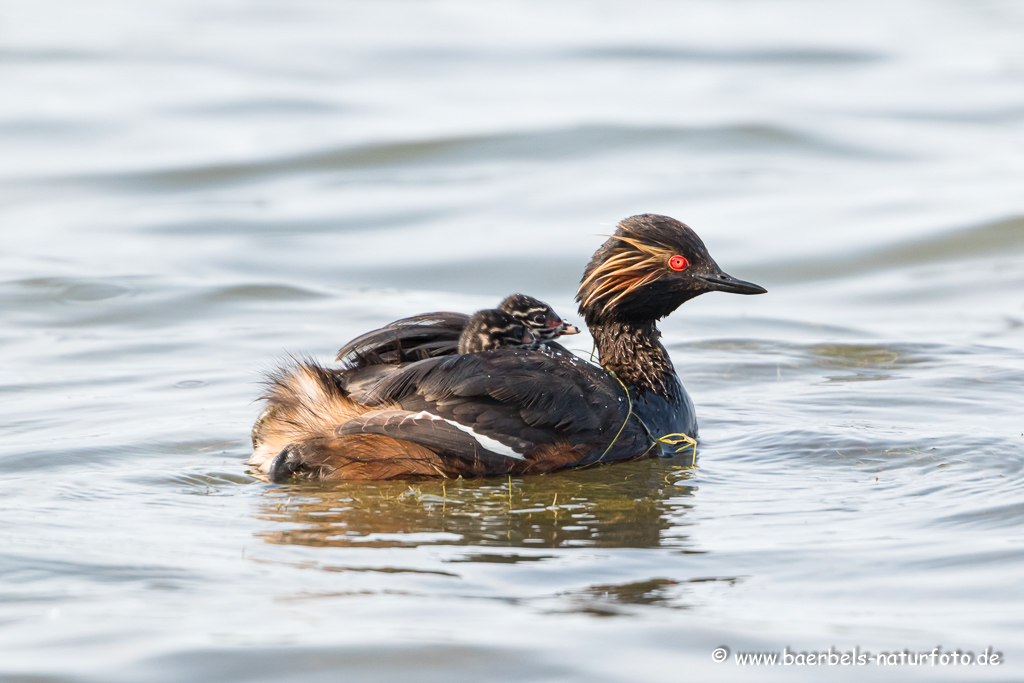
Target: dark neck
x: 632, y: 351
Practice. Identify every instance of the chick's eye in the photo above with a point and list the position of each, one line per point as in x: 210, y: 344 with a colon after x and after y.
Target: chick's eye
x: 678, y: 262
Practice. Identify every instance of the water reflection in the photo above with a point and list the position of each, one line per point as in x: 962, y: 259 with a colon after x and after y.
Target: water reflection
x: 619, y: 599
x: 528, y: 542
x: 630, y: 505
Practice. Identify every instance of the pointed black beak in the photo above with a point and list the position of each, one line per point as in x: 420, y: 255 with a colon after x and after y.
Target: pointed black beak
x: 727, y: 283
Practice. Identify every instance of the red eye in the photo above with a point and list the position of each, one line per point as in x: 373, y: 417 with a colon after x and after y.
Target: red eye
x: 678, y: 263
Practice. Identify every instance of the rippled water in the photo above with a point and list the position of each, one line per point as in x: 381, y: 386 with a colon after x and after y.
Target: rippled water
x: 189, y: 191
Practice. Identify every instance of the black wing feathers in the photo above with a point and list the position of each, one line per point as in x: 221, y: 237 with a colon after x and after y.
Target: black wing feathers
x: 508, y: 391
x: 406, y: 340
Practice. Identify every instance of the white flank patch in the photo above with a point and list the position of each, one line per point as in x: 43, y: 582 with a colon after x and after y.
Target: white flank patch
x: 487, y: 442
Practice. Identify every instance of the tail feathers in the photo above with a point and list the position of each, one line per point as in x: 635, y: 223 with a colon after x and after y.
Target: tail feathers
x: 304, y: 401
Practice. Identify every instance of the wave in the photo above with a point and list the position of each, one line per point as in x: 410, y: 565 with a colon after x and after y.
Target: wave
x: 988, y: 239
x: 552, y: 144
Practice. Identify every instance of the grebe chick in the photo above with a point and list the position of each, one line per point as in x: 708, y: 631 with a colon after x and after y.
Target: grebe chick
x: 540, y: 317
x: 429, y: 335
x: 493, y: 328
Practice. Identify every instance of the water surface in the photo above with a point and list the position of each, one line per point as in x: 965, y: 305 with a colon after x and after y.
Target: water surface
x: 190, y: 191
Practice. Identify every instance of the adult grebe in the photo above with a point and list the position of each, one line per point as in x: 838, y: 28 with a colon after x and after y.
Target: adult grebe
x: 508, y: 410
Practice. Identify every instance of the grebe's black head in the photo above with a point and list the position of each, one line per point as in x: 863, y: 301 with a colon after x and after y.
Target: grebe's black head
x: 647, y: 269
x: 491, y: 329
x: 538, y: 316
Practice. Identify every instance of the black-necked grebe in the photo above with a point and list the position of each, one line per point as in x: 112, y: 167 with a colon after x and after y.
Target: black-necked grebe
x: 509, y: 410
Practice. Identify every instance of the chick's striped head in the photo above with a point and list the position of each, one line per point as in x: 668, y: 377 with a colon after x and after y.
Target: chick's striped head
x: 538, y: 316
x: 492, y: 329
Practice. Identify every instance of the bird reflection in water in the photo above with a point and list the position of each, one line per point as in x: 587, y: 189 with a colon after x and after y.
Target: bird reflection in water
x: 629, y: 506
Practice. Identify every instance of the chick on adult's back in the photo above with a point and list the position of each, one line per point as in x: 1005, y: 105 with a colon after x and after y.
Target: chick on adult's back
x: 437, y: 334
x: 491, y: 329
x: 510, y: 410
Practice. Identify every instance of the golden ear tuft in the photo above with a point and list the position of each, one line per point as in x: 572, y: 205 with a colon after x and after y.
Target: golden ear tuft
x: 635, y: 265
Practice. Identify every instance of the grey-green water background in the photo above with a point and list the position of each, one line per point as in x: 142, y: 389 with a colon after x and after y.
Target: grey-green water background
x: 190, y: 190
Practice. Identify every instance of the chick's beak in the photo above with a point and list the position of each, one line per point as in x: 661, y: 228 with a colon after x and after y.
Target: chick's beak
x: 566, y: 328
x: 723, y: 282
x: 527, y: 337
